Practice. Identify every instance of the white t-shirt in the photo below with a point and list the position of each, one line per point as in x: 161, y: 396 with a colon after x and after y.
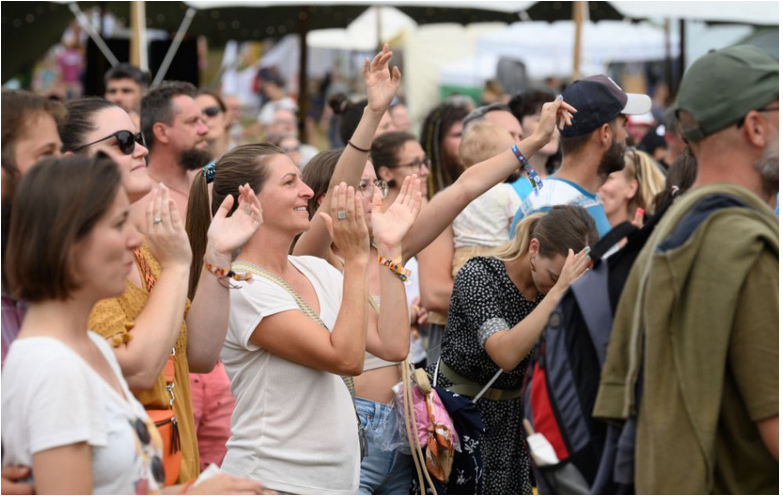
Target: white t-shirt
x: 294, y: 427
x: 487, y: 219
x: 52, y: 398
x: 267, y: 114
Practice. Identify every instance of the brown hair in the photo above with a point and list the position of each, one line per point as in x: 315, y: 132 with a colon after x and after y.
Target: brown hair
x: 385, y: 148
x: 79, y: 121
x: 243, y: 164
x: 680, y: 177
x: 17, y: 111
x: 317, y: 175
x: 59, y: 201
x: 562, y: 228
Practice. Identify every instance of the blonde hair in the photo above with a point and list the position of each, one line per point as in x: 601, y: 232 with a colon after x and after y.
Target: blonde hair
x: 642, y: 168
x: 482, y: 141
x: 562, y: 228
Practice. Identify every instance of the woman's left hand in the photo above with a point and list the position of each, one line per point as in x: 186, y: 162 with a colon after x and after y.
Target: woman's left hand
x: 227, y: 233
x: 382, y: 84
x: 390, y: 227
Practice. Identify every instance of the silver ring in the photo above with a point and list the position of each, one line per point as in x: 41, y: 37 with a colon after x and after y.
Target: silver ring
x: 342, y: 215
x: 157, y: 220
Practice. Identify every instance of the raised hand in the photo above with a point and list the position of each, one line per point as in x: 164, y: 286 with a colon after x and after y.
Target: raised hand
x: 166, y: 236
x: 389, y: 228
x: 381, y: 84
x: 553, y: 114
x: 346, y: 224
x: 227, y: 233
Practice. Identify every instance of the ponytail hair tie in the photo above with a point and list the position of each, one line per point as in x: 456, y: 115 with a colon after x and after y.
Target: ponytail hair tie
x: 208, y: 171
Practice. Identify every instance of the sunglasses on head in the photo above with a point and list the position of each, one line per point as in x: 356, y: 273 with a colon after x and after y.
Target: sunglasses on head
x: 126, y: 140
x: 211, y: 111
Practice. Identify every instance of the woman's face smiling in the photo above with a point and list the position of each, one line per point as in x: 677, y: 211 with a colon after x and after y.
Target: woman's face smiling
x: 284, y: 196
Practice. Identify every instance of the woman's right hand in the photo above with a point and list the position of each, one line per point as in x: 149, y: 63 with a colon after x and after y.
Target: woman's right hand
x: 575, y: 265
x: 381, y: 84
x: 346, y: 224
x: 552, y: 114
x: 224, y: 483
x: 166, y: 236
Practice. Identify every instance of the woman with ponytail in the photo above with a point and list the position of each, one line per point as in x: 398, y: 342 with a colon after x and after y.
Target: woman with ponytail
x: 499, y: 306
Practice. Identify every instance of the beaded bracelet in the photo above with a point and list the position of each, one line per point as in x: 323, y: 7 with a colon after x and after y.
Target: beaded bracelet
x: 532, y: 175
x: 396, y: 268
x: 222, y: 273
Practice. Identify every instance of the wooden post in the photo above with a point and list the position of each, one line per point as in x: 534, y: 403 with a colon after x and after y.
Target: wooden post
x: 138, y: 42
x: 303, y: 100
x: 578, y: 16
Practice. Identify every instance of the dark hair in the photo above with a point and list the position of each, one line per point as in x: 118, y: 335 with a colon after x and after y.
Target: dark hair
x: 444, y: 170
x: 562, y: 228
x: 575, y: 143
x: 17, y: 109
x: 679, y: 178
x: 216, y: 96
x: 59, y: 201
x: 350, y: 114
x: 385, y: 148
x: 156, y: 106
x: 317, y: 174
x: 243, y: 164
x: 529, y: 102
x: 128, y: 71
x: 79, y: 121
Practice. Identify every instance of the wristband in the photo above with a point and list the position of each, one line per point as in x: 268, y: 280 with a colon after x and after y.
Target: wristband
x: 532, y: 175
x: 396, y: 268
x: 222, y: 273
x: 357, y: 148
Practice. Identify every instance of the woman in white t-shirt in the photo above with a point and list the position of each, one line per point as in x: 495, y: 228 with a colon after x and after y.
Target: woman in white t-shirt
x: 297, y: 324
x: 68, y: 413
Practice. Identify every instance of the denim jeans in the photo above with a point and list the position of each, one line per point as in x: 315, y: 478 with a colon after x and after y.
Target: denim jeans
x: 383, y: 472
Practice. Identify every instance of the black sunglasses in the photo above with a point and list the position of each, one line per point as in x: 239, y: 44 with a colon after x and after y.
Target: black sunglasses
x: 156, y: 465
x: 211, y: 111
x: 125, y: 139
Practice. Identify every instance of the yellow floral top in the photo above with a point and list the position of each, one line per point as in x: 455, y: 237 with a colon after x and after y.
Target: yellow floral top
x: 114, y: 319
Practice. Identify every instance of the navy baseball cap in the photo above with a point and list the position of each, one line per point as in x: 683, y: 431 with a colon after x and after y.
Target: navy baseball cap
x: 599, y: 100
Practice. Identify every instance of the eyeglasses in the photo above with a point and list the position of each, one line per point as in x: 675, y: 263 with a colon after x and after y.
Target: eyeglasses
x: 126, y: 140
x: 156, y: 464
x: 367, y: 188
x: 211, y: 111
x: 417, y: 164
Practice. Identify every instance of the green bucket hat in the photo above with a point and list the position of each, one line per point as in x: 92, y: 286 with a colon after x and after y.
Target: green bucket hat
x: 724, y: 85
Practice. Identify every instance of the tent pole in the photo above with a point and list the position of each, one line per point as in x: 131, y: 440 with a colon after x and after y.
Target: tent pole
x: 303, y: 100
x: 172, y: 51
x: 681, y: 68
x: 138, y: 48
x: 87, y: 26
x: 578, y: 16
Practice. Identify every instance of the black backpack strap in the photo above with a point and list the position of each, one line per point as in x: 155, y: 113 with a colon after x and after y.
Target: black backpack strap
x: 619, y: 232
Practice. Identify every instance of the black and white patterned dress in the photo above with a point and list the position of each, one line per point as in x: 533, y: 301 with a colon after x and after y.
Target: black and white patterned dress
x: 483, y: 302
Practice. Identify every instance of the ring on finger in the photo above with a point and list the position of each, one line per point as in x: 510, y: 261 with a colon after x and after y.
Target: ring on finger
x: 342, y: 215
x: 157, y: 220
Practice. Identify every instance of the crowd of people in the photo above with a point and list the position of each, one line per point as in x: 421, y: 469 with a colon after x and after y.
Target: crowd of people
x: 183, y: 294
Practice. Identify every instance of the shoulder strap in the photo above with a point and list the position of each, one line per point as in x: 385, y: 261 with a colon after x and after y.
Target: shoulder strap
x: 303, y: 306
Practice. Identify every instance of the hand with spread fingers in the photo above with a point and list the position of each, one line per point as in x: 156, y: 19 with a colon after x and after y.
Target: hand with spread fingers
x: 391, y: 226
x: 229, y: 232
x: 166, y: 236
x: 346, y: 224
x: 382, y: 84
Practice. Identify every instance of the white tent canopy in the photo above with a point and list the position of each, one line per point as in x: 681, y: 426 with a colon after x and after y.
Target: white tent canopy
x: 546, y: 49
x: 749, y: 12
x: 362, y: 34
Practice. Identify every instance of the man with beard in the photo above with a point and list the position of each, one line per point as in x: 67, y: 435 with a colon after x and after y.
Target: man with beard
x: 29, y: 134
x: 696, y: 328
x: 593, y: 147
x: 175, y: 133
